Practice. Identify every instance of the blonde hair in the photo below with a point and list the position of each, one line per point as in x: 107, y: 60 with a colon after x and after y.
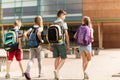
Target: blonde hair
x: 39, y: 21
x: 87, y: 21
x: 16, y: 22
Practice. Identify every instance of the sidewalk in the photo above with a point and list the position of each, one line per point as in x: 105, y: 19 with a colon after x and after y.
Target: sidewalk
x: 103, y: 67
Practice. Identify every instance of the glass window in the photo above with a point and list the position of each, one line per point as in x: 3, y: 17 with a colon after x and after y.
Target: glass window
x: 29, y: 3
x: 8, y: 5
x: 0, y: 2
x: 73, y: 8
x: 61, y: 6
x: 49, y: 13
x: 3, y: 1
x: 59, y: 2
x: 18, y: 0
x: 48, y: 2
x: 18, y: 10
x: 73, y: 1
x: 18, y: 15
x: 8, y: 12
x: 29, y: 11
x: 50, y: 7
x: 23, y: 8
x: 18, y: 4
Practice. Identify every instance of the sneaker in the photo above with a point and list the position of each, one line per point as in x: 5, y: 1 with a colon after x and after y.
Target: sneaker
x: 23, y: 74
x: 86, y: 76
x: 60, y: 78
x: 27, y: 76
x: 56, y: 75
x: 39, y: 75
x: 7, y: 76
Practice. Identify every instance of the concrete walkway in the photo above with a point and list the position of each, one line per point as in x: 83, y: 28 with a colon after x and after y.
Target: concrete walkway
x: 102, y: 67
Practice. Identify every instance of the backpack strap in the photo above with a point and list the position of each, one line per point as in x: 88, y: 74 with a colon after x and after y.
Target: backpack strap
x: 16, y: 32
x: 34, y: 30
x: 62, y: 29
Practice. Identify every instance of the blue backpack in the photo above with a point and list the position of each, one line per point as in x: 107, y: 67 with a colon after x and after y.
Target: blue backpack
x: 33, y: 41
x: 11, y: 41
x: 83, y: 35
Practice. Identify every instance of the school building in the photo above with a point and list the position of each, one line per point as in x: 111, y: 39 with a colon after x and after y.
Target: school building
x: 104, y: 14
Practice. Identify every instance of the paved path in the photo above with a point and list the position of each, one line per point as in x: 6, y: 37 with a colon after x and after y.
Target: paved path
x: 102, y: 67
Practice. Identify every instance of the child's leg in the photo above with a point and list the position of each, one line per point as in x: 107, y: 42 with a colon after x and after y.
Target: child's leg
x: 88, y: 56
x: 56, y: 63
x: 38, y: 54
x: 61, y: 63
x: 31, y: 60
x: 8, y: 66
x: 21, y: 67
x: 18, y: 58
x: 9, y: 61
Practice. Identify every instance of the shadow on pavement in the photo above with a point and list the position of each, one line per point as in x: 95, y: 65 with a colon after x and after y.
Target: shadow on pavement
x: 35, y: 79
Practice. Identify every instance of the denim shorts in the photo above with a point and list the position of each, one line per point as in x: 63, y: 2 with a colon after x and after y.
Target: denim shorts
x: 86, y: 49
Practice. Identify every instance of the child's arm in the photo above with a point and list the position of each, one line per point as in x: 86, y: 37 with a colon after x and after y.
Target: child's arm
x: 25, y: 35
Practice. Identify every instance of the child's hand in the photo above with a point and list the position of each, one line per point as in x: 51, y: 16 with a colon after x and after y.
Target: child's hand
x: 51, y: 48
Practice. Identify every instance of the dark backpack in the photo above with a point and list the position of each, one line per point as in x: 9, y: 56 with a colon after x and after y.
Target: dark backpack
x: 33, y: 40
x: 44, y: 36
x: 83, y: 35
x: 11, y: 40
x: 55, y: 33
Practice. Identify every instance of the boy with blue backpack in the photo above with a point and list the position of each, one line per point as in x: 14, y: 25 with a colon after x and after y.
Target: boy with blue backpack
x: 12, y: 44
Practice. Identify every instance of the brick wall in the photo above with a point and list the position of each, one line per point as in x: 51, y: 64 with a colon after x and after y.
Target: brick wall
x: 101, y: 8
x: 98, y: 9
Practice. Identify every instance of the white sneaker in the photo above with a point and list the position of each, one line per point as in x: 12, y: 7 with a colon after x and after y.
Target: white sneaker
x: 56, y: 75
x: 60, y: 78
x: 86, y: 76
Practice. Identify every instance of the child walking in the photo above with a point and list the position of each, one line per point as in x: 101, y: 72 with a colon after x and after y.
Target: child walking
x: 60, y: 49
x: 35, y: 51
x: 17, y: 53
x: 84, y: 37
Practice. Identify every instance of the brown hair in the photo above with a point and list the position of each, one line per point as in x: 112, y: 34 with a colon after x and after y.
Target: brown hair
x: 61, y: 12
x: 39, y: 21
x: 87, y: 21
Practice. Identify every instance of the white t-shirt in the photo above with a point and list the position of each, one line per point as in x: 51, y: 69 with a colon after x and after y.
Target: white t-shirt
x: 40, y: 29
x: 92, y: 31
x: 64, y: 27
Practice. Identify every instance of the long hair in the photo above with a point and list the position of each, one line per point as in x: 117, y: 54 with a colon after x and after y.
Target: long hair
x: 87, y: 21
x: 39, y: 21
